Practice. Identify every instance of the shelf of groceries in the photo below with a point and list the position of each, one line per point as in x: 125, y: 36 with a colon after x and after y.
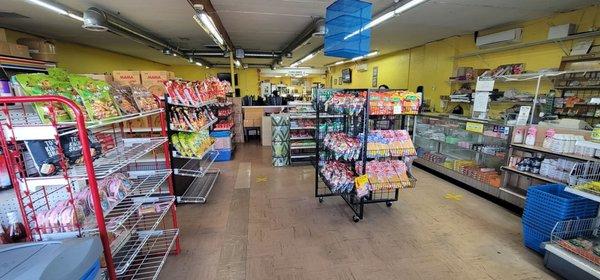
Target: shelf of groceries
x: 122, y: 189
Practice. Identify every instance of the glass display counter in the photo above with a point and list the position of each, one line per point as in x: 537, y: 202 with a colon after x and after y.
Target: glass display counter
x: 467, y: 150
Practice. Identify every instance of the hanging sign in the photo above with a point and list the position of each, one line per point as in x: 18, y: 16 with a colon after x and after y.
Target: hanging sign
x: 474, y: 127
x: 480, y: 102
x: 523, y: 115
x: 484, y: 84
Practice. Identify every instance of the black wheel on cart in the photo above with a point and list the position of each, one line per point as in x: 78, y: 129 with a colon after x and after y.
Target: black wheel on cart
x: 320, y: 200
x: 355, y: 218
x: 388, y: 203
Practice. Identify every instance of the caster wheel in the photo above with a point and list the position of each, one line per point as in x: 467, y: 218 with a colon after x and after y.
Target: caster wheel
x: 320, y: 200
x: 388, y: 204
x: 355, y: 218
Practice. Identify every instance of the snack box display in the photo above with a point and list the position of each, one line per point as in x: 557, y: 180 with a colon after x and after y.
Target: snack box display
x: 96, y: 97
x: 42, y: 84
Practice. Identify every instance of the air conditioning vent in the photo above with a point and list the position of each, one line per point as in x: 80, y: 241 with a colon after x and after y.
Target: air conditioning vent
x: 500, y: 38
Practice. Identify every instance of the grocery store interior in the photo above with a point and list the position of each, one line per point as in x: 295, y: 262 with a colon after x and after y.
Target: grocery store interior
x: 313, y: 139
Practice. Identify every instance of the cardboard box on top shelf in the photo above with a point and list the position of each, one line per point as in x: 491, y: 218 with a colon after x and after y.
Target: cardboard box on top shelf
x: 19, y: 50
x: 127, y: 78
x: 40, y: 49
x: 3, y: 35
x: 100, y: 77
x: 4, y: 48
x: 154, y: 81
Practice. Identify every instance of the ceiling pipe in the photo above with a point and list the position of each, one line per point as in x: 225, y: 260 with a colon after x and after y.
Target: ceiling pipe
x: 315, y: 28
x: 96, y: 19
x: 249, y: 65
x: 252, y: 54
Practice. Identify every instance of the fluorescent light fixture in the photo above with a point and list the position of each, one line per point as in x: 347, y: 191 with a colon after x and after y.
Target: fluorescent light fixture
x: 209, y: 27
x: 294, y: 65
x: 74, y: 16
x: 237, y: 63
x: 174, y: 54
x: 206, y: 66
x: 374, y: 53
x: 57, y: 9
x: 199, y: 64
x: 380, y: 19
x: 357, y: 58
x: 278, y: 76
x: 305, y: 59
x: 190, y: 59
x: 340, y: 62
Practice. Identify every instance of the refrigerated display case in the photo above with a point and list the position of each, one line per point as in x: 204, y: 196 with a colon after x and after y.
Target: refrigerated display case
x: 469, y: 151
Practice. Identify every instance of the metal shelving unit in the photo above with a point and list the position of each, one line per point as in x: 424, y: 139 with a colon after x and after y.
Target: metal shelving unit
x: 188, y: 171
x: 118, y: 227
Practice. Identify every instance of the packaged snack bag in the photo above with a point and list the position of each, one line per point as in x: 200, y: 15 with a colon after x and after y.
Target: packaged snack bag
x: 41, y: 84
x: 124, y: 99
x: 142, y: 97
x: 95, y: 96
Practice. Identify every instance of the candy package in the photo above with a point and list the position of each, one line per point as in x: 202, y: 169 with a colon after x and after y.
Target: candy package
x: 96, y: 97
x: 41, y: 84
x: 144, y: 100
x: 124, y: 99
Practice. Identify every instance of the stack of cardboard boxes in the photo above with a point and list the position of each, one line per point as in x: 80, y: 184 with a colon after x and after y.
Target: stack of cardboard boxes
x: 11, y: 49
x: 238, y: 118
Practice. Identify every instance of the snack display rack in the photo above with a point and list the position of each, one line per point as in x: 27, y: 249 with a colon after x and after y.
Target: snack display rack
x: 354, y: 125
x: 193, y: 174
x: 131, y: 225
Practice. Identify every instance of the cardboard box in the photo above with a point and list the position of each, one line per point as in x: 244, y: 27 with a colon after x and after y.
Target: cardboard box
x: 3, y: 35
x: 37, y: 45
x: 154, y: 81
x: 44, y: 56
x: 100, y: 77
x: 126, y: 78
x: 19, y: 50
x: 4, y: 48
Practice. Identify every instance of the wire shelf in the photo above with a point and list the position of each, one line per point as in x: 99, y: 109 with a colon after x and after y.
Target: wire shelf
x: 197, y: 167
x: 176, y: 154
x: 126, y: 152
x: 573, y: 235
x: 191, y: 104
x: 151, y: 258
x: 125, y: 254
x: 140, y: 194
x: 200, y: 188
x: 206, y: 126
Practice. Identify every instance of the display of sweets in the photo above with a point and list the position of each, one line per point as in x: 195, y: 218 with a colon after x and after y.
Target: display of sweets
x: 384, y: 143
x: 194, y: 93
x: 385, y: 175
x: 343, y: 146
x: 192, y: 144
x: 346, y: 103
x: 185, y: 118
x: 394, y: 103
x: 303, y: 123
x: 338, y: 176
x: 224, y: 112
x: 224, y: 125
x: 330, y: 126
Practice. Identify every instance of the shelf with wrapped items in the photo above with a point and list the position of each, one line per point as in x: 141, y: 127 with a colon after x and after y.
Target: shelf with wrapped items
x: 75, y: 169
x: 149, y: 261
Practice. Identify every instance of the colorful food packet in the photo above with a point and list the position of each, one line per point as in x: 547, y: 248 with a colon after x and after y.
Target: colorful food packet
x: 96, y: 97
x: 124, y: 99
x: 142, y: 97
x: 41, y: 84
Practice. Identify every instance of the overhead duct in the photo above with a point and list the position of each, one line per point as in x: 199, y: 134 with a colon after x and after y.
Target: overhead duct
x: 315, y: 29
x: 95, y: 19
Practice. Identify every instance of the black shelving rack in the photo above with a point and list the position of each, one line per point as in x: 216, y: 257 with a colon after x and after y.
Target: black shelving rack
x: 353, y: 125
x: 193, y: 177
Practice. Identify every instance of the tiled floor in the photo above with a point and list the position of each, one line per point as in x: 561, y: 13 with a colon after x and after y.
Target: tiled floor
x: 276, y: 229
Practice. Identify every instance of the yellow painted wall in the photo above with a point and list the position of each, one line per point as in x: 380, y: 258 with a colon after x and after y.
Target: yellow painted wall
x: 432, y: 64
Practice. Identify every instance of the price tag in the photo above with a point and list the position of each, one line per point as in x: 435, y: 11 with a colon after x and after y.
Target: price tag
x: 474, y: 127
x: 361, y: 182
x: 397, y: 109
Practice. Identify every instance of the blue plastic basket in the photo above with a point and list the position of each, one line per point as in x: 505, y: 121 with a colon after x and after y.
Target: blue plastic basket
x: 224, y: 155
x: 221, y: 134
x: 552, y: 200
x: 345, y: 35
x: 533, y: 238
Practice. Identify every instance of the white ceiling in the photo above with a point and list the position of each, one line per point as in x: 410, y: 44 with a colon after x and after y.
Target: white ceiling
x: 269, y: 25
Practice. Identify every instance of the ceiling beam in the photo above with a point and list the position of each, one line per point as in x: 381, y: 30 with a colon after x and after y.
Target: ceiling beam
x: 210, y: 10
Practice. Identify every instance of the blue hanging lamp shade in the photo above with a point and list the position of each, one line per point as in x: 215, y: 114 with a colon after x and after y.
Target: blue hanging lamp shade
x: 345, y: 35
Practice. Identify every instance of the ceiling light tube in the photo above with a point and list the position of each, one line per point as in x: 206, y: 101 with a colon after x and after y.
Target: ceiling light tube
x: 409, y: 5
x: 340, y: 62
x: 200, y: 64
x: 206, y: 22
x: 74, y: 16
x: 57, y: 9
x: 237, y: 63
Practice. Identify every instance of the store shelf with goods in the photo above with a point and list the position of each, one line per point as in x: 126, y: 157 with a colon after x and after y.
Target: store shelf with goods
x: 104, y: 194
x: 190, y: 104
x: 537, y: 149
x: 204, y: 127
x: 302, y: 138
x: 457, y: 147
x: 314, y: 116
x: 595, y: 196
x: 303, y: 128
x: 531, y: 175
x: 589, y: 269
x: 24, y: 64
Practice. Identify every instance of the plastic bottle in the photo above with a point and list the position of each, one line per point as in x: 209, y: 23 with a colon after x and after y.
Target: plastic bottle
x: 16, y: 230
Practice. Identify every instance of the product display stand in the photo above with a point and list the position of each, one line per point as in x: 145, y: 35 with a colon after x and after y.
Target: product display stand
x: 194, y: 176
x: 354, y: 125
x: 129, y: 223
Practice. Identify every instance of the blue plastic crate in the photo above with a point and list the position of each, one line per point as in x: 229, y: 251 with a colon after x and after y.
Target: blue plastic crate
x: 345, y: 35
x: 221, y: 134
x: 533, y: 238
x: 553, y: 200
x: 224, y: 155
